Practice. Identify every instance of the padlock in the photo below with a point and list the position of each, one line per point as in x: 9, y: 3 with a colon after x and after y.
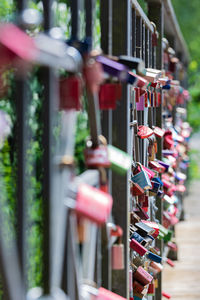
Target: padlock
x: 109, y: 93
x: 117, y: 250
x: 142, y: 276
x: 168, y: 142
x: 120, y: 160
x: 136, y: 236
x: 142, y: 178
x: 156, y: 166
x: 104, y: 294
x: 154, y: 226
x: 93, y: 204
x: 159, y: 99
x: 144, y: 132
x: 141, y: 82
x: 140, y: 104
x: 70, y: 93
x: 144, y: 229
x: 132, y: 79
x: 134, y: 218
x: 150, y: 173
x: 155, y: 188
x: 165, y: 164
x: 137, y: 287
x: 113, y: 68
x: 152, y: 148
x: 170, y: 262
x: 133, y: 63
x: 166, y: 295
x: 159, y: 132
x: 147, y: 241
x: 136, y: 246
x: 23, y: 46
x: 136, y: 190
x: 151, y: 289
x: 166, y: 221
x: 137, y: 95
x: 156, y: 283
x: 141, y: 213
x: 156, y: 266
x: 97, y: 157
x: 144, y: 203
x: 92, y: 293
x: 152, y: 271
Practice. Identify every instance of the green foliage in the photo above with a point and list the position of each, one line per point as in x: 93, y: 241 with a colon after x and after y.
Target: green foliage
x: 194, y: 170
x: 187, y: 13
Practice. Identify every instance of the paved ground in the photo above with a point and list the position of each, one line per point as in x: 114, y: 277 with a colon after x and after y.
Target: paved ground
x: 183, y: 281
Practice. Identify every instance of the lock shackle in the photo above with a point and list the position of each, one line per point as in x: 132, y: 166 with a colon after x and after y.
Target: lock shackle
x: 116, y: 231
x: 101, y: 138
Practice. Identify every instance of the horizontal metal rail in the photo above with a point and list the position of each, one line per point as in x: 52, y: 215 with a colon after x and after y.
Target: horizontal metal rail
x: 141, y: 13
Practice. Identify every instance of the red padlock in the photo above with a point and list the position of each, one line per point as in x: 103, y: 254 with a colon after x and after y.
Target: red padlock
x: 137, y: 287
x: 93, y: 204
x: 137, y: 95
x: 144, y: 132
x: 168, y: 140
x: 97, y: 157
x: 170, y: 263
x: 151, y: 289
x: 168, y: 296
x: 136, y: 190
x: 159, y: 99
x: 146, y: 99
x: 109, y: 93
x: 70, y: 93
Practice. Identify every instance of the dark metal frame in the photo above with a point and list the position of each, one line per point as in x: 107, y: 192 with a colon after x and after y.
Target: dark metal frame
x: 125, y: 29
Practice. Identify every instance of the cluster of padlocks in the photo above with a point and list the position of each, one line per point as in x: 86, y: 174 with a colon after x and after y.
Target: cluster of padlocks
x: 84, y: 203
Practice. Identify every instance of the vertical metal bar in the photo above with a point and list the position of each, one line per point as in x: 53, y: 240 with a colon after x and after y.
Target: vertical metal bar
x: 156, y: 14
x: 121, y: 139
x: 69, y: 282
x: 106, y: 121
x: 75, y: 8
x: 50, y: 95
x: 21, y: 138
x: 133, y: 32
x: 147, y: 48
x: 143, y: 41
x: 138, y: 37
x: 150, y: 50
x: 89, y: 5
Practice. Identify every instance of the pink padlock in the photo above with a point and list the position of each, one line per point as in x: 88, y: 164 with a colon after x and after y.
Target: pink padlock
x: 108, y: 295
x: 93, y: 204
x: 118, y: 256
x: 117, y: 252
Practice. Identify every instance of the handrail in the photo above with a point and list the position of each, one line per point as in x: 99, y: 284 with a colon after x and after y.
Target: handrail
x: 169, y: 10
x: 141, y: 13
